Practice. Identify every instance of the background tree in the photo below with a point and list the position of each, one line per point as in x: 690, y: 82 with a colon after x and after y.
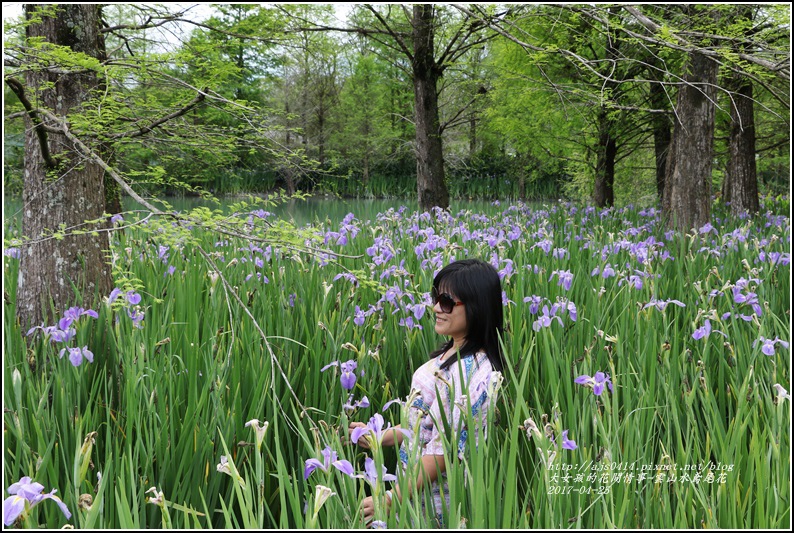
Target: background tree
x: 709, y: 35
x: 61, y: 188
x: 740, y: 186
x: 84, y: 108
x: 431, y: 38
x: 706, y: 36
x: 364, y: 118
x: 605, y: 129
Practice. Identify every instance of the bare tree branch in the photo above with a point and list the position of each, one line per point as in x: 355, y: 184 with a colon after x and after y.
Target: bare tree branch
x: 396, y: 36
x: 497, y: 29
x: 142, y: 130
x: 780, y: 68
x: 38, y: 125
x: 452, y: 121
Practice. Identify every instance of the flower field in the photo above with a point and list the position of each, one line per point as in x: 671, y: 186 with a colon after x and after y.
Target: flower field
x: 646, y: 384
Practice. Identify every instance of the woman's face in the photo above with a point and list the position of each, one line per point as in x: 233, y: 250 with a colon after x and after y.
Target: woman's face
x: 451, y: 324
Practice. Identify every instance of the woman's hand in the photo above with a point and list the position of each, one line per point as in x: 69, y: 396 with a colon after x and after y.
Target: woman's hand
x: 363, y: 441
x: 367, y: 508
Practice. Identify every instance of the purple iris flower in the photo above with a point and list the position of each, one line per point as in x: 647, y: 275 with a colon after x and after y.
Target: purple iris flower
x: 11, y: 252
x: 534, y: 303
x: 375, y: 427
x: 133, y: 298
x: 598, y: 382
x: 750, y: 299
x: 360, y: 317
x: 136, y: 316
x: 73, y: 314
x: 115, y: 293
x: 330, y: 458
x: 26, y: 492
x: 702, y: 331
x: 371, y: 473
x: 768, y: 345
x: 117, y: 218
x: 349, y: 277
x: 162, y: 253
x: 705, y: 331
x: 409, y: 323
x: 662, y: 304
x: 392, y: 402
x: 707, y: 228
x: 571, y: 307
x: 363, y: 403
x: 508, y: 270
x: 780, y: 258
x: 418, y: 310
x: 567, y: 443
x: 55, y: 334
x: 634, y: 280
x: 76, y: 355
x: 544, y: 321
x: 544, y: 245
x: 348, y: 376
x: 58, y: 335
x: 565, y: 278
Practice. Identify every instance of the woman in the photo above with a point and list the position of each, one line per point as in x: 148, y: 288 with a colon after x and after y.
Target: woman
x: 467, y: 301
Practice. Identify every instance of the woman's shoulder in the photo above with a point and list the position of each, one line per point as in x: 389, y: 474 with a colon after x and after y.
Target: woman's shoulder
x: 427, y: 370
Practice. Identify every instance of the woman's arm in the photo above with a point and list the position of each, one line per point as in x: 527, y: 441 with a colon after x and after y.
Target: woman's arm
x: 432, y: 468
x: 391, y: 436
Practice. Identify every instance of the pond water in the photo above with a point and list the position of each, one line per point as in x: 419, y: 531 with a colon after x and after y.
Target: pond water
x: 299, y: 212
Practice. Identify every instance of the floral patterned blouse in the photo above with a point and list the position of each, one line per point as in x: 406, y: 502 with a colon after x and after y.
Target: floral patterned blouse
x: 434, y: 389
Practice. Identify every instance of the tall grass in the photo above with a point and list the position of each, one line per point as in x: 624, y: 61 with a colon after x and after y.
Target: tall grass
x: 162, y: 403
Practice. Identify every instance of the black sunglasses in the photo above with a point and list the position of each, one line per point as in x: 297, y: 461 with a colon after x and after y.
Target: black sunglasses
x: 444, y: 300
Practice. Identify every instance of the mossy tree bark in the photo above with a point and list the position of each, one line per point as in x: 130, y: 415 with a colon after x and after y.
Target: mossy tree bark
x: 62, y: 189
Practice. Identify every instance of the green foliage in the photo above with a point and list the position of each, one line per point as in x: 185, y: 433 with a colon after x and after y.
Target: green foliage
x: 169, y: 399
x: 332, y: 112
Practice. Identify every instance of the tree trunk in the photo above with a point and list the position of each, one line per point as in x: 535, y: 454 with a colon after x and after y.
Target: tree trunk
x: 740, y: 187
x: 321, y: 134
x: 607, y: 149
x: 65, y: 190
x: 472, y: 136
x: 365, y: 170
x: 661, y: 135
x: 604, y: 192
x: 687, y: 198
x: 289, y: 179
x: 432, y: 190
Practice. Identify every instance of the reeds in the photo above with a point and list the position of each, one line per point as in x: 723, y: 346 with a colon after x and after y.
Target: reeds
x: 693, y: 433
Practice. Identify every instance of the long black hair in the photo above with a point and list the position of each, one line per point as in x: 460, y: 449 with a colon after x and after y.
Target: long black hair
x: 476, y: 284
